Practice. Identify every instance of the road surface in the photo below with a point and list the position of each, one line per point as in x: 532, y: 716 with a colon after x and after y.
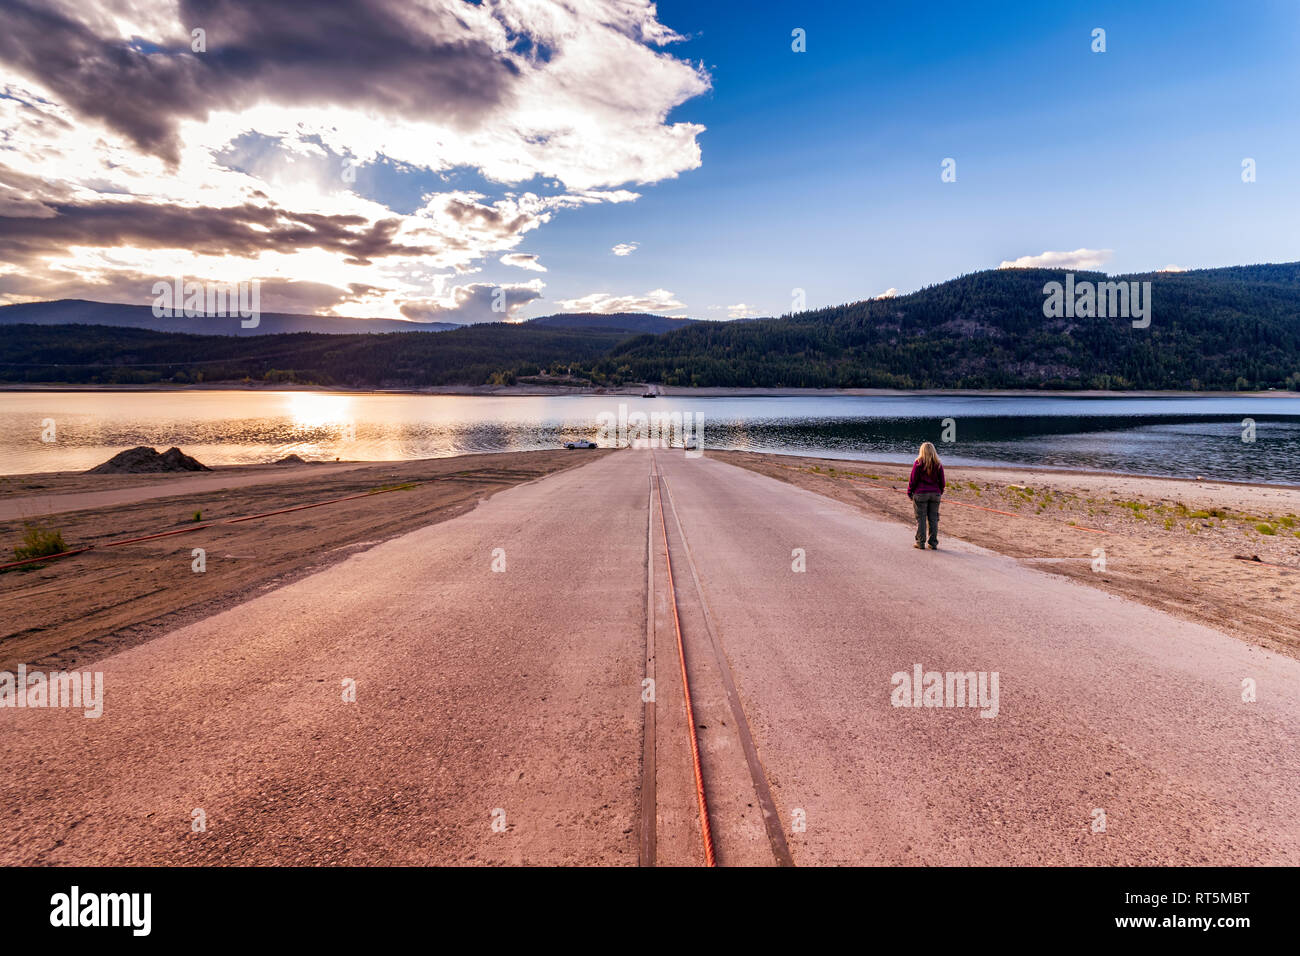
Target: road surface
x: 501, y: 659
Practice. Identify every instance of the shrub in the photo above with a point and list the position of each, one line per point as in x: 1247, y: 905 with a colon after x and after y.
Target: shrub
x: 38, y: 542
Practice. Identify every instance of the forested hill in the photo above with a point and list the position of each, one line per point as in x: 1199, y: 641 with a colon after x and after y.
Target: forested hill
x: 1233, y: 328
x: 631, y: 322
x: 1237, y: 327
x: 475, y: 354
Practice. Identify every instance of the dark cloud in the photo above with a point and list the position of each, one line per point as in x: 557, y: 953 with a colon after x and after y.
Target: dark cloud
x: 243, y: 230
x: 382, y: 54
x: 296, y: 297
x: 489, y: 218
x: 474, y: 303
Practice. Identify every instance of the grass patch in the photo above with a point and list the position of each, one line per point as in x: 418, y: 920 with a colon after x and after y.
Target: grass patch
x: 405, y: 486
x: 1263, y: 528
x: 39, y: 542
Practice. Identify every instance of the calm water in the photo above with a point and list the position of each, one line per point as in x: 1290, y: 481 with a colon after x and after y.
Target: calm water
x: 1171, y: 436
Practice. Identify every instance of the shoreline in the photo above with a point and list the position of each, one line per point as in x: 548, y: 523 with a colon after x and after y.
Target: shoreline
x: 1189, y: 548
x: 638, y: 391
x: 272, y: 468
x: 1026, y: 467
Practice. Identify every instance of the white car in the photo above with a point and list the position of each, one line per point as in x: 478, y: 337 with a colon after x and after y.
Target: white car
x: 580, y: 444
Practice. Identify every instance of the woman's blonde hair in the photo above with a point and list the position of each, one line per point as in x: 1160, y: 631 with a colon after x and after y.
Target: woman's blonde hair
x: 929, y: 459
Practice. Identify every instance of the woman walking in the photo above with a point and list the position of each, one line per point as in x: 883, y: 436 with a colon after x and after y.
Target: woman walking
x: 925, y: 488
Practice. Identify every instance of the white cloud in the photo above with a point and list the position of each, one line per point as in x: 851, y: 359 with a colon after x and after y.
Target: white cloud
x: 1172, y: 268
x: 1078, y: 259
x: 523, y: 260
x: 656, y: 300
x: 888, y: 293
x: 738, y: 311
x: 625, y: 248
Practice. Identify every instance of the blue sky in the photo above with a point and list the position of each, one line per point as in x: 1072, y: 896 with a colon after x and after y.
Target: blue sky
x: 821, y: 170
x: 364, y: 162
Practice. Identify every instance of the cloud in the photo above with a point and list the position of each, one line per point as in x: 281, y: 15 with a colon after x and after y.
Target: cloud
x: 625, y: 248
x: 127, y: 155
x: 888, y: 293
x: 231, y: 231
x: 1078, y: 259
x: 738, y: 311
x: 477, y: 302
x: 533, y: 85
x: 523, y: 260
x: 657, y: 300
x: 1172, y: 268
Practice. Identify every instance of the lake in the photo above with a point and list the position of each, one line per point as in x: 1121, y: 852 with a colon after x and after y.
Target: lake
x: 1179, y: 436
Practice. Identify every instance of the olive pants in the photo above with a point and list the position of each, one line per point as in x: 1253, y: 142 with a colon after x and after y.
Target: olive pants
x: 927, y: 510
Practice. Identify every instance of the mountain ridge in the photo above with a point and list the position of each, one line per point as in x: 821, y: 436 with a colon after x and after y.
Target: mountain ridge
x: 1231, y: 328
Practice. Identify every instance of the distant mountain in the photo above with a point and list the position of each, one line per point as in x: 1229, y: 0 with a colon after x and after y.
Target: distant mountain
x: 1233, y: 328
x: 638, y: 322
x: 1236, y: 327
x: 83, y: 312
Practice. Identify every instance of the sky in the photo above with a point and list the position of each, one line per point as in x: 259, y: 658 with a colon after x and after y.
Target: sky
x: 442, y: 160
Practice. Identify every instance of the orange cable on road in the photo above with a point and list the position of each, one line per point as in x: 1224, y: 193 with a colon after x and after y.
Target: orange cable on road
x: 705, y: 829
x: 45, y: 557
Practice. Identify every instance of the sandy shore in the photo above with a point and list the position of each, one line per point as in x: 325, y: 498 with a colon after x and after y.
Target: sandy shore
x: 89, y: 605
x: 1172, y: 544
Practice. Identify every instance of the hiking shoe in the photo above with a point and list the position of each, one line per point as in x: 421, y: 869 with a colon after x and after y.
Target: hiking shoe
x: 919, y: 546
x: 934, y: 547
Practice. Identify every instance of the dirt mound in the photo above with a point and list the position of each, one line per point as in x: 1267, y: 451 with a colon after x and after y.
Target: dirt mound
x: 144, y: 460
x: 291, y: 460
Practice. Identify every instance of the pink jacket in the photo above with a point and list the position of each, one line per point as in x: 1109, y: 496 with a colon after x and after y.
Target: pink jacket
x: 922, y: 482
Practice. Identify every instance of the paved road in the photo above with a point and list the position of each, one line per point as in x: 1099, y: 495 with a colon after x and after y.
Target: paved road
x: 499, y: 716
